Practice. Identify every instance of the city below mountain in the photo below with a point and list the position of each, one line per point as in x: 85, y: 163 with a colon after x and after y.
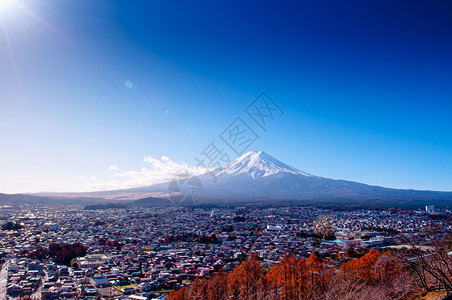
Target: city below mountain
x: 255, y: 177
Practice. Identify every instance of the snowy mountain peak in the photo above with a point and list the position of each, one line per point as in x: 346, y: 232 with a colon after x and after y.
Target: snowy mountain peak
x: 258, y: 164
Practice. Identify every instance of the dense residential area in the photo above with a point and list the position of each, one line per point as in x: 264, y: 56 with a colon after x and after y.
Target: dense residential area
x: 148, y: 252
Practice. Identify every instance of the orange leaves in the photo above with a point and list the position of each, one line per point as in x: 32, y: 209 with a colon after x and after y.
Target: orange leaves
x: 370, y: 268
x: 292, y: 278
x: 286, y: 278
x: 246, y: 279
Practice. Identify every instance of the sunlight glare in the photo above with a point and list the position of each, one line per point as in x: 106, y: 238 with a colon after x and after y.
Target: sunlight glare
x: 4, y: 4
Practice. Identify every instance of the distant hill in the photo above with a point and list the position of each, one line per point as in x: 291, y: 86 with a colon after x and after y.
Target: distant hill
x: 152, y: 202
x: 104, y: 206
x: 26, y: 199
x: 125, y: 204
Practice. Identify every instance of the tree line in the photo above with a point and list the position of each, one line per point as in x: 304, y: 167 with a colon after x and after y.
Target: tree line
x: 375, y: 275
x: 402, y: 273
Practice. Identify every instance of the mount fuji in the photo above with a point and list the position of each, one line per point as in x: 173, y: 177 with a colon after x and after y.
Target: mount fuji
x: 257, y: 177
x: 258, y: 164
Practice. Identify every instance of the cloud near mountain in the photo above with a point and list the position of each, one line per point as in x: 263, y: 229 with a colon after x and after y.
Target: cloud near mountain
x: 155, y: 170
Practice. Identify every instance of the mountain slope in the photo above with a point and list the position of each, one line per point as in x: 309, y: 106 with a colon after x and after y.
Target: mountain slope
x: 256, y: 177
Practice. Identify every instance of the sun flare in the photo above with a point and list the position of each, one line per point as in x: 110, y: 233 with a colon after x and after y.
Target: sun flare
x: 4, y: 4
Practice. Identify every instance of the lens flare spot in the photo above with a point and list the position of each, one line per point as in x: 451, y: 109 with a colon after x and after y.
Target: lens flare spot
x: 130, y: 85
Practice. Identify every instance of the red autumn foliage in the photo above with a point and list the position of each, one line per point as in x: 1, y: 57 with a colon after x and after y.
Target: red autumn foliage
x: 295, y: 278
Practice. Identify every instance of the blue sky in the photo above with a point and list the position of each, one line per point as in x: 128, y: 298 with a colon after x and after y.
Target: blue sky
x: 94, y: 93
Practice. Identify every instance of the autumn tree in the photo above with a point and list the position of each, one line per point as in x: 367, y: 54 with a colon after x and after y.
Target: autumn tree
x: 246, y: 280
x: 362, y: 269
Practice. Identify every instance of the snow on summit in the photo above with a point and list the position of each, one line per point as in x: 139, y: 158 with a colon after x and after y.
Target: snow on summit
x: 258, y: 164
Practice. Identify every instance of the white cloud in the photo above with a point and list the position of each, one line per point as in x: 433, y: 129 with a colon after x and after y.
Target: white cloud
x: 113, y: 168
x: 81, y: 178
x: 158, y: 171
